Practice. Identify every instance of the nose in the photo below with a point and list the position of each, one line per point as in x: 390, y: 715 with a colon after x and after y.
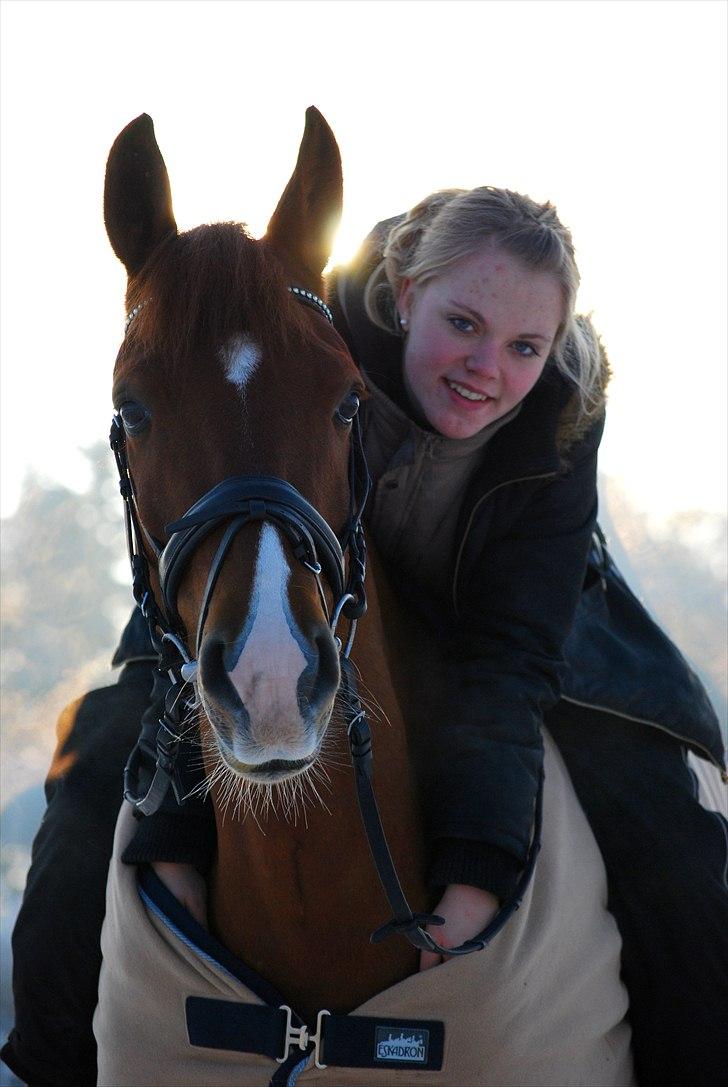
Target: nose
x: 484, y: 360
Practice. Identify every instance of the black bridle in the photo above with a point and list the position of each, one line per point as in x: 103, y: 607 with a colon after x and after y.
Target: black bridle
x: 235, y: 502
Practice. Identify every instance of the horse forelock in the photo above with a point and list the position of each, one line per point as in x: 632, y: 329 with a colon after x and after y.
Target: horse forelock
x: 207, y: 286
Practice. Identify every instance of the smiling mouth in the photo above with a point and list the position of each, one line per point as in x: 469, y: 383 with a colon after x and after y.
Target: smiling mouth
x: 467, y: 394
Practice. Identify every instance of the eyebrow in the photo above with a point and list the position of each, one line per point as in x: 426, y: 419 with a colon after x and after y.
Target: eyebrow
x: 478, y: 317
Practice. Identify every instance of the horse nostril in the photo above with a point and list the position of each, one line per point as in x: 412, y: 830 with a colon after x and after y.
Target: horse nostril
x: 210, y: 661
x: 329, y: 670
x: 212, y: 672
x: 319, y: 682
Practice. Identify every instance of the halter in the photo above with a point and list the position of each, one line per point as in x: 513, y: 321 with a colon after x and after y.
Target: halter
x: 239, y: 500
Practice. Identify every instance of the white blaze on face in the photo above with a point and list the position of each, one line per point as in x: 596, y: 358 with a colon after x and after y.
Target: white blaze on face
x: 240, y: 359
x: 271, y: 662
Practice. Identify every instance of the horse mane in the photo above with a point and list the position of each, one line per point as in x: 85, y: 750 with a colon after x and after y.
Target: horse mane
x: 201, y: 287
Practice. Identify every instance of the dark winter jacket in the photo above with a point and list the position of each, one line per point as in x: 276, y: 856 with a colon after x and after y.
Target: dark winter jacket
x: 525, y: 616
x: 503, y: 606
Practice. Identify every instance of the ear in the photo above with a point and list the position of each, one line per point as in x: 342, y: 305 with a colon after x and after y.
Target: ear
x: 307, y: 217
x: 137, y: 199
x: 405, y: 298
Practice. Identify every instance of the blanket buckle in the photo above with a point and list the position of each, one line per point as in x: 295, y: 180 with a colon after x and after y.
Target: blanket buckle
x: 301, y: 1037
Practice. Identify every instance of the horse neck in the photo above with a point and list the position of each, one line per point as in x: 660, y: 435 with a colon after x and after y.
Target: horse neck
x: 280, y: 887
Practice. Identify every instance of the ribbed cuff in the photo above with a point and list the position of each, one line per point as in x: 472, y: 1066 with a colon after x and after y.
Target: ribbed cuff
x: 184, y: 838
x: 476, y: 864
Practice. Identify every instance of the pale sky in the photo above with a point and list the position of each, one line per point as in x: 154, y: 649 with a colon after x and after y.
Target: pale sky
x: 613, y: 109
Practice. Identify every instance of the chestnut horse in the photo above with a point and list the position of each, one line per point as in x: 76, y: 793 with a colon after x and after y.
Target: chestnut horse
x: 232, y: 376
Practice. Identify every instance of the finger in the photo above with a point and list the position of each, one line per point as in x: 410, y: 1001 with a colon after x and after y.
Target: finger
x: 187, y: 886
x: 428, y: 959
x: 197, y: 906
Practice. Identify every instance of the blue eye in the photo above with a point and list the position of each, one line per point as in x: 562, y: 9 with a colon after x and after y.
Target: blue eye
x: 525, y: 349
x: 348, y: 408
x: 134, y: 416
x: 461, y: 324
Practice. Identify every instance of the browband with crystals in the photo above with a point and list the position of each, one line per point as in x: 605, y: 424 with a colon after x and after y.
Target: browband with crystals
x: 308, y: 297
x: 131, y: 315
x: 312, y: 299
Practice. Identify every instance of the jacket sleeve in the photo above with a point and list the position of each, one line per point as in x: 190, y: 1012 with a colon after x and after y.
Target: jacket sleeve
x: 56, y: 952
x: 504, y: 668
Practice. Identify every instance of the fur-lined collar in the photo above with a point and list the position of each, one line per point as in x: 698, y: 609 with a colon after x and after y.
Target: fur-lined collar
x: 573, y: 423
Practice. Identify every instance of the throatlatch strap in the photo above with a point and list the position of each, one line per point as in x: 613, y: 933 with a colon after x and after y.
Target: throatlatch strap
x: 347, y: 1041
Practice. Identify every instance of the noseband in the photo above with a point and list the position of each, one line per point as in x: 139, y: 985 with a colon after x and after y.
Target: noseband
x: 238, y: 501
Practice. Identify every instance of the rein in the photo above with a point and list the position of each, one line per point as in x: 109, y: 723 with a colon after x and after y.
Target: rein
x: 239, y: 500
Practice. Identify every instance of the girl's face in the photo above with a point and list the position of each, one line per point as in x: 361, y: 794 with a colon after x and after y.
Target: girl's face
x: 478, y: 337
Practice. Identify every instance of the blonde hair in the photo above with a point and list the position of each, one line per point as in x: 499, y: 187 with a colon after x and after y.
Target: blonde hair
x: 450, y: 225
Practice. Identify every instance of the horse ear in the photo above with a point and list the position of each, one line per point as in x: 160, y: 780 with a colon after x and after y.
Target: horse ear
x: 137, y: 198
x: 307, y: 216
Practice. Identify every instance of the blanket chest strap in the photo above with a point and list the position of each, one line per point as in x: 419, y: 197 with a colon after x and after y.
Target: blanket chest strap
x: 345, y: 1041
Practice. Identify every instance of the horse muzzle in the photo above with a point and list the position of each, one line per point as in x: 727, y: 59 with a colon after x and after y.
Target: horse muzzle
x: 270, y: 708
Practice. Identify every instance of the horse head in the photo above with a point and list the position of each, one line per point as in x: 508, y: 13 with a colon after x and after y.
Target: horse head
x: 238, y: 405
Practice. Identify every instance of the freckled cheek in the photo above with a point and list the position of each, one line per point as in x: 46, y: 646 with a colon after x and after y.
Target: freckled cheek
x: 425, y: 365
x: 442, y: 359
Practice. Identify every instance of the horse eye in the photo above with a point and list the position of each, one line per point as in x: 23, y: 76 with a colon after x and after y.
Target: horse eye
x: 348, y: 408
x: 134, y: 416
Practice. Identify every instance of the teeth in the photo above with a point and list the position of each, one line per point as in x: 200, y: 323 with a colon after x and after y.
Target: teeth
x: 467, y: 393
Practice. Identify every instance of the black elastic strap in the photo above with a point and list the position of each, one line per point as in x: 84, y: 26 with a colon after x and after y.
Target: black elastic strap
x: 360, y: 1041
x: 348, y: 1041
x: 244, y: 1028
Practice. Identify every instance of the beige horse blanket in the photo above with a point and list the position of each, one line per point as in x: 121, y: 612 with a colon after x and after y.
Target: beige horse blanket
x: 541, y: 1006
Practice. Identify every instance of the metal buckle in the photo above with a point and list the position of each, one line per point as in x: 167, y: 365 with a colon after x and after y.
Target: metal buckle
x: 300, y: 1036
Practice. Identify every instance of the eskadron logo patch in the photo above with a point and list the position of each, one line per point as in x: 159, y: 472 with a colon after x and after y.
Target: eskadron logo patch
x: 401, y: 1044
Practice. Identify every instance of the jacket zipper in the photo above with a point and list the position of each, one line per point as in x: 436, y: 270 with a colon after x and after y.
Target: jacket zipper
x: 423, y: 445
x: 653, y: 724
x: 506, y: 483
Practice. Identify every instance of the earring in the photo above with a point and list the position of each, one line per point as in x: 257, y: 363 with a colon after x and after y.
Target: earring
x: 404, y: 323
